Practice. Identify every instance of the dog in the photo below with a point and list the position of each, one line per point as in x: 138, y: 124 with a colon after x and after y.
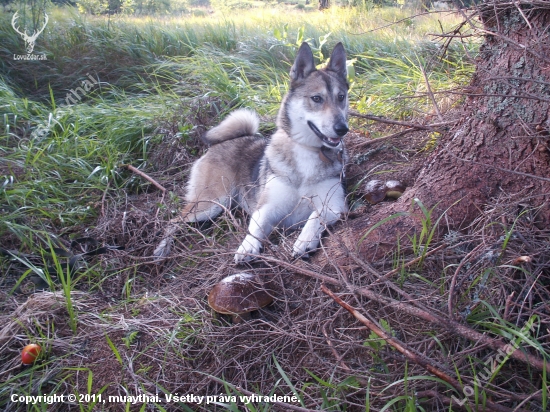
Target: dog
x: 294, y: 179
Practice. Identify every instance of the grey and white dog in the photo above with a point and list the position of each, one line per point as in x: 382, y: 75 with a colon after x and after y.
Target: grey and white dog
x: 292, y: 180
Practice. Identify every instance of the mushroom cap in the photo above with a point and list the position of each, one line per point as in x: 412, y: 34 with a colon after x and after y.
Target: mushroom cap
x: 375, y: 191
x: 238, y: 294
x: 395, y: 188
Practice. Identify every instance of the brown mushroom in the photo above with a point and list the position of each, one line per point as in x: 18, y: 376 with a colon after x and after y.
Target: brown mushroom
x: 375, y: 191
x: 238, y: 295
x: 394, y: 189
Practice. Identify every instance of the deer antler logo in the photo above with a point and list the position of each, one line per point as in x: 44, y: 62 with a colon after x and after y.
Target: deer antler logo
x: 29, y: 40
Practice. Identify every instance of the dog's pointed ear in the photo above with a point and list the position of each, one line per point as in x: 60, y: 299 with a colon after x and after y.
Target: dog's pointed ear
x: 337, y: 62
x: 304, y: 64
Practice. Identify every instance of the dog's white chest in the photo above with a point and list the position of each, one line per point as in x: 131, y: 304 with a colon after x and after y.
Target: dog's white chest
x: 312, y: 166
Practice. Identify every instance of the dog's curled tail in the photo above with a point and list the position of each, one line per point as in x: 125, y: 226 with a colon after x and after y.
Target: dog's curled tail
x: 241, y: 122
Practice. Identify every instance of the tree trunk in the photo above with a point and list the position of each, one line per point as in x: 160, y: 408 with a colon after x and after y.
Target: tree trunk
x: 498, y: 152
x: 324, y: 4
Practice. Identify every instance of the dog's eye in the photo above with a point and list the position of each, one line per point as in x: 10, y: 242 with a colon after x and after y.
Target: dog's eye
x: 317, y: 99
x: 341, y: 97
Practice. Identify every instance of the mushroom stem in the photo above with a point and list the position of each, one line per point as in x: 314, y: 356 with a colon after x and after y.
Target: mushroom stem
x: 241, y: 318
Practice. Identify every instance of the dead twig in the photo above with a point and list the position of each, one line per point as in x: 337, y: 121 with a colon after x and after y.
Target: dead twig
x: 453, y: 35
x: 526, y: 48
x: 303, y: 271
x: 523, y: 15
x: 532, y: 396
x: 383, y: 138
x: 430, y: 94
x: 499, y: 168
x: 456, y: 328
x: 334, y: 352
x: 146, y: 177
x: 507, y: 306
x: 393, y: 122
x: 400, y: 346
x: 394, y: 23
x: 454, y: 278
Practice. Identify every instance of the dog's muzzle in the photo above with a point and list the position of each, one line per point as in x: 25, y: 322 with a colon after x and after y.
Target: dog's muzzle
x: 339, y: 128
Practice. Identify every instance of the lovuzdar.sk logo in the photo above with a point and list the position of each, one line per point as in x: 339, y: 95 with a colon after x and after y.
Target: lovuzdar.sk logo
x: 29, y: 40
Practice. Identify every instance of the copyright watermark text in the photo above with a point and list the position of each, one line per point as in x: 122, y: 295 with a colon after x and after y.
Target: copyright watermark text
x: 150, y: 399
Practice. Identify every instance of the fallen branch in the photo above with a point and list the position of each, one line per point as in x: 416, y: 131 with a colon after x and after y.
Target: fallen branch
x: 430, y: 94
x: 303, y: 271
x: 408, y: 353
x: 447, y: 324
x: 146, y: 177
x: 393, y: 122
x: 545, y: 179
x: 383, y: 138
x: 455, y: 328
x: 400, y: 346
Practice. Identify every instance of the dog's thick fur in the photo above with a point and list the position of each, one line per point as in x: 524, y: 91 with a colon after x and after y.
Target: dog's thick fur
x: 293, y: 179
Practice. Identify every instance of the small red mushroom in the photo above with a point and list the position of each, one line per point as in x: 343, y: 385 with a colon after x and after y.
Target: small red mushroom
x: 30, y: 353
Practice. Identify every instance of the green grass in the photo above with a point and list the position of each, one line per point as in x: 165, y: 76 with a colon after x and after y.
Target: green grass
x: 57, y: 159
x: 59, y: 174
x: 125, y: 50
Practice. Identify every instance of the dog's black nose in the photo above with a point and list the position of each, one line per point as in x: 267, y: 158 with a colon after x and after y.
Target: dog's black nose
x: 341, y: 128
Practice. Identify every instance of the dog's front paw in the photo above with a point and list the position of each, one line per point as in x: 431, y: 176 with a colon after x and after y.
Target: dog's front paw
x: 301, y: 249
x: 249, y: 249
x: 308, y: 240
x: 165, y: 245
x: 163, y: 248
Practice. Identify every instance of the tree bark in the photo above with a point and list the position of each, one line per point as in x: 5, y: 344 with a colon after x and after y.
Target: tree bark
x: 499, y: 149
x: 324, y: 4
